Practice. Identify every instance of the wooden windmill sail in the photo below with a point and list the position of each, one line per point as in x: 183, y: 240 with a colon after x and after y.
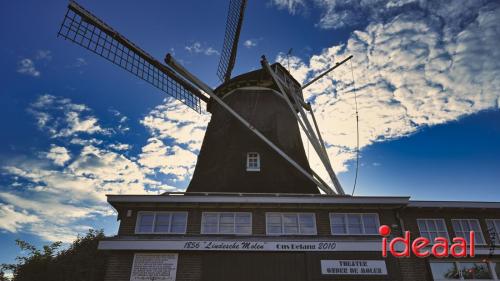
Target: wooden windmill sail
x: 252, y: 143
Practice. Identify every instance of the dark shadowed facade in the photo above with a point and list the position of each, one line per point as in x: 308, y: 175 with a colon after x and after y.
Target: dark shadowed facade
x: 227, y: 143
x: 194, y: 236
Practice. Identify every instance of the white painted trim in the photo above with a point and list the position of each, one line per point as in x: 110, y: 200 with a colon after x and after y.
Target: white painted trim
x: 349, y: 234
x: 270, y: 244
x: 256, y: 198
x: 257, y: 158
x: 264, y: 245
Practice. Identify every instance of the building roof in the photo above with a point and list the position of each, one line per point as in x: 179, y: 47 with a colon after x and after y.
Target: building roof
x: 258, y: 198
x: 278, y: 198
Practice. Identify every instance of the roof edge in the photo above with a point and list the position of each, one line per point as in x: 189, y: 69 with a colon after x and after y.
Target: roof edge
x: 257, y: 198
x: 454, y: 204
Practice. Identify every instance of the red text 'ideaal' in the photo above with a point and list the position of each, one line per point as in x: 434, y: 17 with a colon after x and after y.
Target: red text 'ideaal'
x: 421, y: 247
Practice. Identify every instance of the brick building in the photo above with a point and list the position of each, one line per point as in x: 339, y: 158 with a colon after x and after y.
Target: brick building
x: 254, y: 212
x: 230, y: 236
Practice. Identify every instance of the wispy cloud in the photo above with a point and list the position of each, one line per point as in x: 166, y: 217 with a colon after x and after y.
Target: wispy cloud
x: 62, y: 118
x: 183, y: 129
x: 198, y: 48
x: 292, y: 6
x: 58, y: 154
x: 27, y: 66
x: 410, y: 71
x: 119, y: 146
x: 72, y: 178
x: 12, y: 220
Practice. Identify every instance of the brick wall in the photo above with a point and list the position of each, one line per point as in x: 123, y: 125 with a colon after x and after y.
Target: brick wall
x: 190, y: 265
x: 127, y: 224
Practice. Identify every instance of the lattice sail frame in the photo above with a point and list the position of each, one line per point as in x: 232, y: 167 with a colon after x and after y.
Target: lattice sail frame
x: 231, y: 38
x: 86, y: 30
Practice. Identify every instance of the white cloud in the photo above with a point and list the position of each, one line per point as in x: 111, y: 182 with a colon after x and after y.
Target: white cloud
x: 84, y: 142
x: 12, y: 220
x: 119, y: 146
x: 76, y: 191
x: 292, y: 6
x: 176, y: 122
x: 62, y: 118
x: 58, y: 154
x: 250, y: 43
x: 27, y: 66
x: 410, y: 72
x: 184, y: 129
x: 197, y: 48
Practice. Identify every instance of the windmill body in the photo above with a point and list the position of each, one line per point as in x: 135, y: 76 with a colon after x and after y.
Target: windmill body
x: 228, y: 146
x: 253, y: 141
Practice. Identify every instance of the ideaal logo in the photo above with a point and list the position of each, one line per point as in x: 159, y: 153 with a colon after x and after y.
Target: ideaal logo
x: 441, y: 247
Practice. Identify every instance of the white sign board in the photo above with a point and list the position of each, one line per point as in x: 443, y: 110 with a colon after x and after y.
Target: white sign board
x: 157, y: 267
x: 240, y: 245
x: 353, y: 267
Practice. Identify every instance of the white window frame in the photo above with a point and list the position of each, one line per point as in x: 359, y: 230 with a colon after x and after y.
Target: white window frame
x: 203, y: 231
x: 490, y: 264
x: 468, y: 222
x: 433, y: 219
x: 140, y: 213
x: 298, y: 224
x: 495, y: 227
x: 347, y: 229
x: 257, y: 158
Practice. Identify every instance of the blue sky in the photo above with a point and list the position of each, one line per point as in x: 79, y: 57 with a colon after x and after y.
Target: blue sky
x: 76, y: 127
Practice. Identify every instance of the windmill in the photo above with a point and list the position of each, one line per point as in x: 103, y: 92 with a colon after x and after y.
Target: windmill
x: 252, y: 142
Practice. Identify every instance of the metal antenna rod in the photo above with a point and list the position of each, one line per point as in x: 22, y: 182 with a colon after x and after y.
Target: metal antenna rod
x: 326, y: 72
x: 288, y: 58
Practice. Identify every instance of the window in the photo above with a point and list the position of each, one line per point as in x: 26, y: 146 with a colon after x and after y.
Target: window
x: 226, y: 223
x: 470, y: 270
x: 354, y: 224
x: 253, y: 161
x: 291, y: 224
x: 494, y: 230
x: 161, y: 222
x: 432, y: 228
x: 462, y: 228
